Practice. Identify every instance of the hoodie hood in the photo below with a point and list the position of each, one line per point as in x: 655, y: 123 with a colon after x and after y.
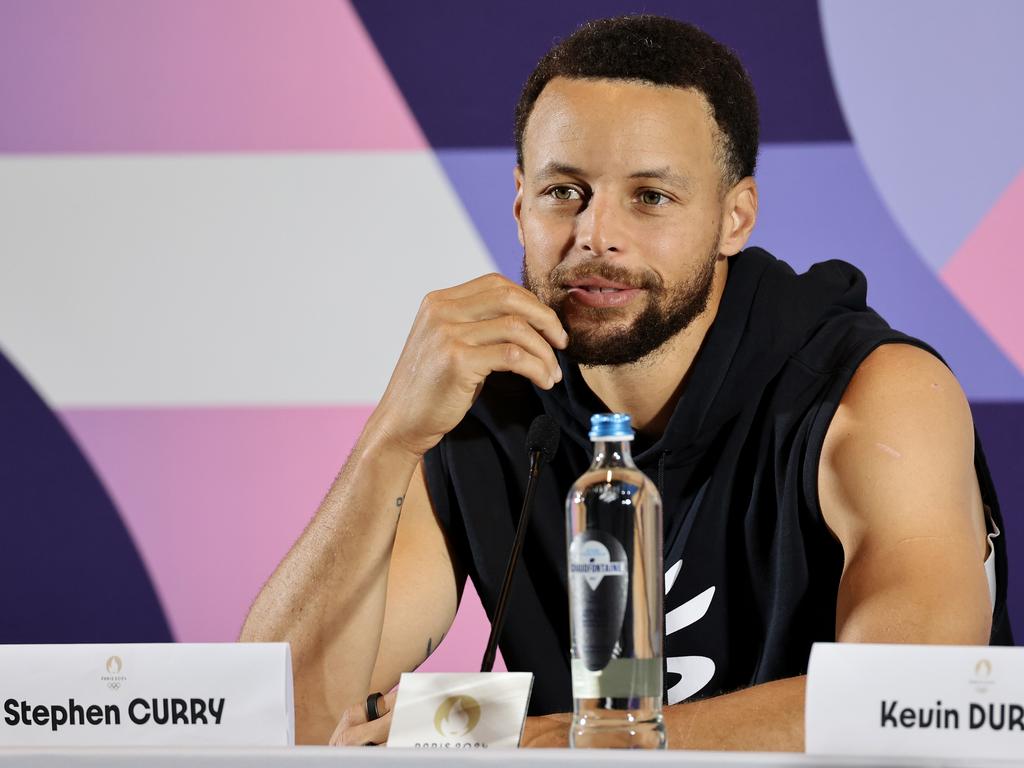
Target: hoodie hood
x: 767, y: 314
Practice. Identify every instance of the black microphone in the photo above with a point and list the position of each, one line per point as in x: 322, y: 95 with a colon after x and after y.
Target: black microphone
x: 541, y: 443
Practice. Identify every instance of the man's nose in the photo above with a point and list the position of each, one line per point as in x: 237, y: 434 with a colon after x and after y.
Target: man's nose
x: 599, y: 227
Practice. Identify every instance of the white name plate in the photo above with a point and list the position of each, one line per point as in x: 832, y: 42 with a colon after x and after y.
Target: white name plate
x: 472, y: 710
x: 150, y: 694
x: 915, y: 700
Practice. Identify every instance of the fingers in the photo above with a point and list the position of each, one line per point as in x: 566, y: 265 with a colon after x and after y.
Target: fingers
x: 493, y: 296
x: 514, y: 300
x: 460, y: 336
x: 493, y: 324
x: 512, y: 329
x: 387, y: 704
x: 476, y: 285
x: 481, y: 361
x: 367, y: 734
x: 353, y: 730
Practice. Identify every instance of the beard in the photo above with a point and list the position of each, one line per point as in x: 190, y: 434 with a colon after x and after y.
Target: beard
x: 600, y: 336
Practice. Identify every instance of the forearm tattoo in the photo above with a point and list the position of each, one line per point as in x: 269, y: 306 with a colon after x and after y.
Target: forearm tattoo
x: 431, y: 647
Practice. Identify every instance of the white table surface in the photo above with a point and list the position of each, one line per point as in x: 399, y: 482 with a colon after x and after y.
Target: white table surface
x: 307, y: 757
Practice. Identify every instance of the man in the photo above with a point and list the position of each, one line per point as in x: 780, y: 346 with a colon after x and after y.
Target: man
x: 818, y: 469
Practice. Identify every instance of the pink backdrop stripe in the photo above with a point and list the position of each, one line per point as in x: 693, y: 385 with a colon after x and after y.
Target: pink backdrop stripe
x: 987, y: 273
x: 214, y: 497
x: 195, y: 75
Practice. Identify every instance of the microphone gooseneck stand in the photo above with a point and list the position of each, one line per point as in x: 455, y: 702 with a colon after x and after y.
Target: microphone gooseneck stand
x: 541, y: 442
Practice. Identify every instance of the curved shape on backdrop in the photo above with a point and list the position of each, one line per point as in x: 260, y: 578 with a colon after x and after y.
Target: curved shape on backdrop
x: 70, y: 570
x: 933, y: 117
x: 461, y: 76
x: 931, y: 108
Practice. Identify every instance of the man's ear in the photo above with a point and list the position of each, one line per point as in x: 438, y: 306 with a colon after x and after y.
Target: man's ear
x: 517, y: 204
x: 740, y: 215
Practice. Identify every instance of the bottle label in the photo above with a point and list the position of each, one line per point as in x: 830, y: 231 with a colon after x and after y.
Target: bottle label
x: 593, y: 562
x: 598, y: 595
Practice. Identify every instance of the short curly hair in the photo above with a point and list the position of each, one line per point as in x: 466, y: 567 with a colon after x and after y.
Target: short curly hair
x: 660, y: 51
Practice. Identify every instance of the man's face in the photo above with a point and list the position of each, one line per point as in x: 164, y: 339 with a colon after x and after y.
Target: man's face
x: 619, y: 210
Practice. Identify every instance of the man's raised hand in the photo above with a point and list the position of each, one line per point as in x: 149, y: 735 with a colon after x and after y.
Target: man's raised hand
x: 460, y: 336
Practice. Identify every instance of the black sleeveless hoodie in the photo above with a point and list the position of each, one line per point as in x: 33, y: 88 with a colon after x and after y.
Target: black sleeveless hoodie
x: 737, y: 468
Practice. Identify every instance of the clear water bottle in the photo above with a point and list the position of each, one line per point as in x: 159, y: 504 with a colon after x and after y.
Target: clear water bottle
x: 616, y: 596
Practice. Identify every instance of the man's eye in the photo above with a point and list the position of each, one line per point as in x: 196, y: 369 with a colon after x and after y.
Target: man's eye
x: 564, y: 193
x: 650, y: 197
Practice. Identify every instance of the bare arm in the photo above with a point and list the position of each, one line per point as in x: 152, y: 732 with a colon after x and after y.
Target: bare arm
x: 366, y: 589
x: 898, y: 488
x: 327, y: 598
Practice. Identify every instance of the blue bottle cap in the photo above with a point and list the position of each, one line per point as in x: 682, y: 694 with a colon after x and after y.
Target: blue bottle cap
x: 611, y: 426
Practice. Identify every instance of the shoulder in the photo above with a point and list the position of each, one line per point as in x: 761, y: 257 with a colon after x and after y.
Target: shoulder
x: 904, y: 388
x: 902, y: 437
x: 898, y: 488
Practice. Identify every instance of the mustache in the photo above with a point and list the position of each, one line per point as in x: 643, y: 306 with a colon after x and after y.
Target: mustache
x: 567, y: 273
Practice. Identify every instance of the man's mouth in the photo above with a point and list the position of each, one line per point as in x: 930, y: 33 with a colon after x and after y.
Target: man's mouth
x: 598, y: 292
x: 597, y: 285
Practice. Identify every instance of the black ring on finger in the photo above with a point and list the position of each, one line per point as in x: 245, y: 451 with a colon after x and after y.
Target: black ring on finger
x: 372, y: 713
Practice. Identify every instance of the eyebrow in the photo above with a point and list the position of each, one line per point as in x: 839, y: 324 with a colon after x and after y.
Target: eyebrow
x: 554, y: 168
x: 664, y: 174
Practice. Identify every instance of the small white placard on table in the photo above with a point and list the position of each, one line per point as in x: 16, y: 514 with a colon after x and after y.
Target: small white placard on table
x: 460, y: 710
x: 147, y: 694
x: 915, y: 700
